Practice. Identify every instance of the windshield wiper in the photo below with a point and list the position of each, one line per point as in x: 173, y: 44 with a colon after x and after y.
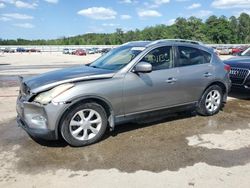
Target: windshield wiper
x: 95, y: 66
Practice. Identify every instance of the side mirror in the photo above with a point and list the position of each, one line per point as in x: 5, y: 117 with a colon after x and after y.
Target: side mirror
x: 143, y: 67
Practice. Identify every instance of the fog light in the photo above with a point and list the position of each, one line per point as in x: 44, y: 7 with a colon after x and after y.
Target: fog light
x: 39, y: 121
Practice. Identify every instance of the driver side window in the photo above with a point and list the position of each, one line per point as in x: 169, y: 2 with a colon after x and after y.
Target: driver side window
x: 160, y: 58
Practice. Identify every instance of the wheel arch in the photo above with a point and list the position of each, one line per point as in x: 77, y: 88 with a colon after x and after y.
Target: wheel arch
x: 220, y: 84
x: 99, y: 100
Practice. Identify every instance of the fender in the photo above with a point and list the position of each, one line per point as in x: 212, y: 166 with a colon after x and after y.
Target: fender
x: 74, y: 101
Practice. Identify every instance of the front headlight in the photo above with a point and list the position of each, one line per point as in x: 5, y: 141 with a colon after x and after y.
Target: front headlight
x: 48, y: 96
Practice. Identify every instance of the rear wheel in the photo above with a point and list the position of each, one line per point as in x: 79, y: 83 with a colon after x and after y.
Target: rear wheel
x: 84, y: 124
x: 211, y: 101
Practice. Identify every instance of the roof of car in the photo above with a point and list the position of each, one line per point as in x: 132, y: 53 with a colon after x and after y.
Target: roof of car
x: 167, y: 41
x: 150, y: 43
x: 138, y: 43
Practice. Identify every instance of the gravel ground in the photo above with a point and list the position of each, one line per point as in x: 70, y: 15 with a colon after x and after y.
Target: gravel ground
x: 183, y: 150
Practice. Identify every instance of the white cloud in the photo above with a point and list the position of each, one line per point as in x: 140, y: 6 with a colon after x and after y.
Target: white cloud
x: 237, y: 13
x: 160, y: 2
x: 126, y: 1
x: 170, y: 22
x: 52, y: 1
x: 8, y: 1
x: 148, y: 13
x: 25, y: 25
x: 155, y: 3
x: 21, y: 4
x: 202, y: 13
x: 98, y: 13
x: 182, y: 0
x: 110, y: 25
x: 4, y: 19
x: 2, y: 5
x: 226, y: 4
x: 194, y: 6
x: 125, y: 17
x: 18, y: 16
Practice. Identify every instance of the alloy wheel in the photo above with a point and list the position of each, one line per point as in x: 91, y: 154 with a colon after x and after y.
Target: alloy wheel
x: 85, y: 124
x: 213, y: 100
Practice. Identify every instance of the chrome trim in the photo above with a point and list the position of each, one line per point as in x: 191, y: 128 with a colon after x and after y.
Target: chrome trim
x: 244, y: 80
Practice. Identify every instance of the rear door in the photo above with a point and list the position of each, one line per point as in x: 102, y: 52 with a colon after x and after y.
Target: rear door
x: 195, y: 72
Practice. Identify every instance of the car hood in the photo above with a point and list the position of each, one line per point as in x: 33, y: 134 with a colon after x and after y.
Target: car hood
x: 48, y: 80
x: 239, y: 62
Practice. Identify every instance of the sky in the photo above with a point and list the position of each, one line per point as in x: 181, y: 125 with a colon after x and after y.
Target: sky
x: 51, y: 19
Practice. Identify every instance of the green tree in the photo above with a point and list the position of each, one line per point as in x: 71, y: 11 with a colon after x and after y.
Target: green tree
x: 244, y: 28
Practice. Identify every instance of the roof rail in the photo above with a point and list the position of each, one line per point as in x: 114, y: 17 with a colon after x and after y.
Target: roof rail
x: 130, y: 42
x: 176, y: 40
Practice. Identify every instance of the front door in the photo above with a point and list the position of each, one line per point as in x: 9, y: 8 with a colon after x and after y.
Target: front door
x: 157, y: 89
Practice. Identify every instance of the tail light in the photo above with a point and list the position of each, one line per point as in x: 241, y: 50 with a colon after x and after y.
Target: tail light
x: 227, y: 68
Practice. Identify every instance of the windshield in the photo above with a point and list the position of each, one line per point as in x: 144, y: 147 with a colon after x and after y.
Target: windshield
x: 246, y: 52
x: 117, y: 58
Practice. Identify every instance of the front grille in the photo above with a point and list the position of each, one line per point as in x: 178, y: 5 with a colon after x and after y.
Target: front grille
x: 238, y: 75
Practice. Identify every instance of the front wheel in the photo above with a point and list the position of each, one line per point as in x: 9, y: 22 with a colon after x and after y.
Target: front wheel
x: 211, y: 101
x: 84, y: 124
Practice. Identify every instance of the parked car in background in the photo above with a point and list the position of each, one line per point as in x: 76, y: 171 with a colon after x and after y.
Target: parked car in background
x: 245, y: 53
x: 33, y: 50
x: 66, y: 51
x: 91, y: 51
x: 224, y: 51
x: 105, y: 50
x: 8, y: 50
x: 72, y: 51
x: 99, y: 50
x: 237, y: 50
x: 80, y: 52
x: 240, y: 72
x: 21, y: 49
x: 128, y: 83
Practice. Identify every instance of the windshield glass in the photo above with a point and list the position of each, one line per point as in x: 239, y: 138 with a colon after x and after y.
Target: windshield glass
x: 246, y: 52
x: 117, y: 58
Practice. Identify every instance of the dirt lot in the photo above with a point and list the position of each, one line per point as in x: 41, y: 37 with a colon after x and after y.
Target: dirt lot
x: 175, y: 151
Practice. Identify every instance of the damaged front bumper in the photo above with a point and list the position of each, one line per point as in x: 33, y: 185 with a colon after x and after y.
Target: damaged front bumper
x: 40, y: 121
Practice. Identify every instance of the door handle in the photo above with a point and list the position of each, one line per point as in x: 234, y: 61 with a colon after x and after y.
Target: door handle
x: 207, y: 74
x: 171, y: 80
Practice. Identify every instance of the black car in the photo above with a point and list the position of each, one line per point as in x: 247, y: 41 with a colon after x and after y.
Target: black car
x: 240, y: 72
x: 105, y: 50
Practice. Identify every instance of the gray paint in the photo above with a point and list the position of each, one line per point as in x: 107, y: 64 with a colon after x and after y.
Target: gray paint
x: 128, y: 92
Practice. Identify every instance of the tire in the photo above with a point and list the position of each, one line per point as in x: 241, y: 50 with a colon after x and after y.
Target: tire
x: 79, y: 129
x: 214, y: 96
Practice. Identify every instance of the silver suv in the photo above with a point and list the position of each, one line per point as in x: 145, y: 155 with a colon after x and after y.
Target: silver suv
x: 130, y: 82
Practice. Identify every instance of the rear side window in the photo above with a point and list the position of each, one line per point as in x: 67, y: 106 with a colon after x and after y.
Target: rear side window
x: 192, y: 56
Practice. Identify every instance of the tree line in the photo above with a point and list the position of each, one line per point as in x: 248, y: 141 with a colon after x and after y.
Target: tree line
x: 216, y: 30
